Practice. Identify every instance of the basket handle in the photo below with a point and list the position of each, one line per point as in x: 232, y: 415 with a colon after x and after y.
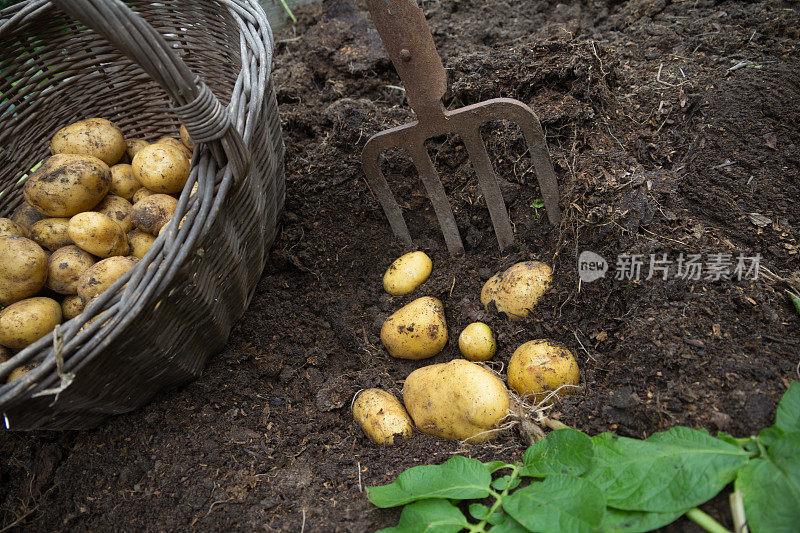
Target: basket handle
x: 205, y: 118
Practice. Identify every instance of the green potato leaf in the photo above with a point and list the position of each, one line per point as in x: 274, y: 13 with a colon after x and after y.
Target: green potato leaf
x: 564, y: 451
x: 429, y: 516
x: 458, y: 478
x: 560, y: 502
x: 502, y: 482
x: 479, y: 511
x: 787, y: 418
x: 619, y: 521
x: 508, y: 525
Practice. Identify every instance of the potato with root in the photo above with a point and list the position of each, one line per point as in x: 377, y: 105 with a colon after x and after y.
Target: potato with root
x: 102, y: 275
x: 27, y: 321
x: 123, y: 184
x: 95, y: 137
x: 51, y: 233
x: 515, y: 291
x: 406, y: 273
x: 65, y: 267
x: 477, y: 342
x: 382, y: 416
x: 67, y: 184
x: 161, y: 167
x: 457, y: 400
x: 23, y: 269
x: 152, y: 213
x: 541, y: 367
x: 416, y: 331
x: 9, y: 227
x: 98, y: 234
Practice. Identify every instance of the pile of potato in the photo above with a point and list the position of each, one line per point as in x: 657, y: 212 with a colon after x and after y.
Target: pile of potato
x: 91, y: 211
x: 461, y: 399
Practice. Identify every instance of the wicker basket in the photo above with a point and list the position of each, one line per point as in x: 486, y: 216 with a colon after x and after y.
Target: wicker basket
x: 135, y: 64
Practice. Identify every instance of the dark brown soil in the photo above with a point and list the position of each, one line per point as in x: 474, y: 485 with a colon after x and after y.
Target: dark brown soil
x: 670, y: 124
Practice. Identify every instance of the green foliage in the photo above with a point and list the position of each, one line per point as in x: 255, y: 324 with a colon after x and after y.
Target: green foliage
x: 571, y: 482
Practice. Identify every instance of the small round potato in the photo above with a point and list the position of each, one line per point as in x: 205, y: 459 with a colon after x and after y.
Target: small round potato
x: 101, y: 276
x: 150, y: 214
x: 140, y: 242
x: 72, y: 306
x: 456, y: 400
x: 134, y: 145
x: 382, y: 416
x: 67, y: 184
x: 417, y: 330
x: 23, y: 269
x: 186, y: 139
x: 476, y: 342
x: 408, y: 272
x: 517, y: 290
x: 172, y: 141
x: 98, y: 234
x: 161, y: 168
x: 537, y: 368
x: 26, y: 216
x: 141, y: 194
x: 96, y: 137
x: 123, y: 184
x: 20, y: 371
x: 118, y: 209
x: 65, y: 267
x: 51, y: 233
x: 27, y: 321
x: 9, y: 227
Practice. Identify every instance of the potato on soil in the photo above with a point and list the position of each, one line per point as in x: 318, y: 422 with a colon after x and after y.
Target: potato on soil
x: 51, y: 233
x: 102, y: 275
x: 540, y: 367
x: 23, y: 269
x: 132, y: 146
x: 26, y: 216
x: 141, y: 194
x: 477, y: 342
x: 515, y: 291
x: 417, y: 330
x: 456, y: 400
x: 161, y: 168
x: 186, y: 139
x: 382, y: 416
x: 67, y: 184
x: 20, y: 371
x: 9, y: 227
x: 118, y: 209
x: 150, y: 214
x: 96, y: 137
x: 175, y: 143
x: 140, y: 242
x: 408, y: 272
x: 65, y: 267
x: 27, y: 321
x: 72, y: 306
x: 98, y: 234
x: 123, y: 184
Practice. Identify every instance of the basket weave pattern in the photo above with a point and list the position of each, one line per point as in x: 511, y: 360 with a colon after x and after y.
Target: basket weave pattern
x: 147, y: 67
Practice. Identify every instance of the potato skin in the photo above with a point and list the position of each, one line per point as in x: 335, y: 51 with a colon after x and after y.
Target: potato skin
x: 51, y: 233
x: 23, y: 269
x: 67, y: 184
x: 456, y: 400
x: 132, y: 146
x: 72, y: 306
x: 27, y: 321
x: 141, y: 194
x: 517, y: 290
x: 541, y: 366
x: 406, y: 273
x: 417, y: 330
x: 186, y: 139
x: 9, y: 227
x: 98, y: 234
x: 152, y: 213
x: 140, y: 242
x: 477, y: 342
x: 123, y: 184
x: 178, y: 145
x: 96, y: 137
x: 65, y: 267
x: 5, y: 354
x: 101, y: 276
x: 382, y: 416
x: 161, y: 168
x: 26, y: 216
x: 117, y: 209
x: 20, y: 371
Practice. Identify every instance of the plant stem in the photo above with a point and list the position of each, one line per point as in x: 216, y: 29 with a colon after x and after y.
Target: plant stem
x: 289, y: 11
x: 498, y: 499
x: 705, y: 521
x: 554, y: 424
x: 737, y: 512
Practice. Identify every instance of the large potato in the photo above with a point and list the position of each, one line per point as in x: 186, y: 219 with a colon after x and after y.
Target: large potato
x: 65, y: 267
x: 408, y: 272
x: 117, y: 209
x: 477, y: 343
x: 123, y: 184
x: 102, y: 275
x: 456, y: 400
x: 51, y: 233
x: 133, y: 146
x: 161, y: 168
x: 417, y: 330
x: 23, y: 269
x: 9, y: 227
x: 26, y: 216
x: 175, y: 143
x: 72, y: 306
x: 515, y: 291
x: 540, y: 367
x: 382, y: 416
x: 67, y: 184
x: 27, y: 321
x: 152, y: 213
x: 98, y: 234
x: 186, y: 139
x: 140, y: 242
x: 96, y: 137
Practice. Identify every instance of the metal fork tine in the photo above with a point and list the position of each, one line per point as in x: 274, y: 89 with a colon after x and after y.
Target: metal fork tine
x: 435, y: 189
x: 370, y: 162
x: 490, y: 186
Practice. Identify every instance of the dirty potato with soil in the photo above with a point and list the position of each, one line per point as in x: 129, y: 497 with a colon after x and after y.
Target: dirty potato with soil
x: 477, y: 342
x: 97, y: 137
x: 67, y: 184
x: 153, y: 212
x: 9, y: 227
x: 98, y: 234
x: 65, y: 266
x: 382, y: 416
x: 408, y: 272
x: 417, y: 330
x: 51, y: 233
x: 101, y: 276
x: 23, y: 269
x: 27, y: 321
x: 541, y: 367
x: 161, y: 167
x: 515, y: 291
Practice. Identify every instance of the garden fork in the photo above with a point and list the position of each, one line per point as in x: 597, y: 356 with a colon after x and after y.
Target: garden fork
x: 405, y: 34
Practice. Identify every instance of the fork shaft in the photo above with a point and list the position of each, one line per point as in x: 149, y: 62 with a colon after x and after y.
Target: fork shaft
x: 370, y: 162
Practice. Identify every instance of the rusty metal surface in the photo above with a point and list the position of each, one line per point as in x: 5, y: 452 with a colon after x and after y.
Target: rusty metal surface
x: 404, y: 31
